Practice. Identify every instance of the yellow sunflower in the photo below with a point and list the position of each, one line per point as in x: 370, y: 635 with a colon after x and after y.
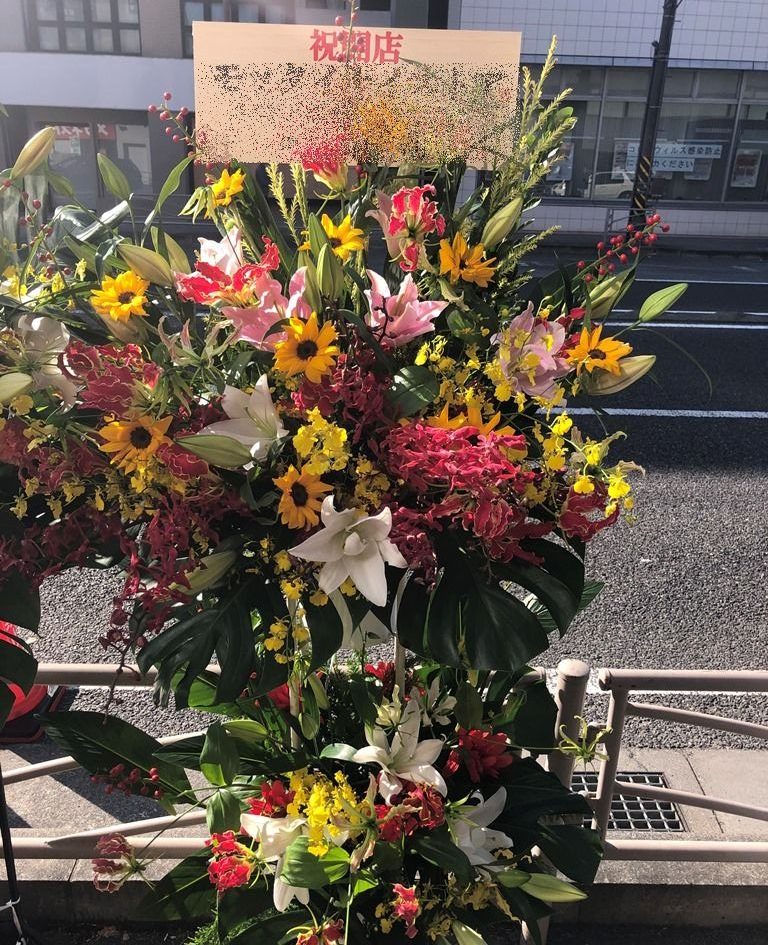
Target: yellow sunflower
x: 226, y: 187
x: 132, y: 444
x: 308, y: 349
x: 593, y: 351
x: 121, y: 297
x: 345, y: 239
x: 465, y: 263
x: 302, y: 497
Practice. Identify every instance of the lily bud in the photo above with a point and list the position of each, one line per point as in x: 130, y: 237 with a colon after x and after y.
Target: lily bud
x: 603, y: 383
x: 312, y: 288
x: 501, y: 224
x: 34, y: 152
x: 606, y: 293
x: 217, y: 450
x: 13, y: 385
x: 146, y: 263
x: 176, y: 256
x: 212, y: 569
x: 330, y: 275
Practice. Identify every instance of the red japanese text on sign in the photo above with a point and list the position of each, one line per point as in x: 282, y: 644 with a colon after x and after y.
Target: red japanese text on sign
x: 359, y: 46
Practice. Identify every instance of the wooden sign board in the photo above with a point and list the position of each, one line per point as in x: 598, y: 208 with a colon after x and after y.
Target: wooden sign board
x: 268, y: 93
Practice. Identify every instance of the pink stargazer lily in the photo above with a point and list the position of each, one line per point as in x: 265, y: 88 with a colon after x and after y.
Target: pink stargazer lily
x: 398, y: 319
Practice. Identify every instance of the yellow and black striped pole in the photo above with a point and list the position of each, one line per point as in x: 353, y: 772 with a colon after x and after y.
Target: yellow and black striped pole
x: 641, y: 192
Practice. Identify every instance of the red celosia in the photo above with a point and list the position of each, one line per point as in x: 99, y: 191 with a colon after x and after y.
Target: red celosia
x: 483, y: 754
x: 411, y: 534
x: 109, y: 377
x: 231, y: 863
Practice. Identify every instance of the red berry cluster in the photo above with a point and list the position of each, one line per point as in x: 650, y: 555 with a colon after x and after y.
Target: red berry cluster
x: 621, y: 247
x: 132, y: 782
x: 175, y: 128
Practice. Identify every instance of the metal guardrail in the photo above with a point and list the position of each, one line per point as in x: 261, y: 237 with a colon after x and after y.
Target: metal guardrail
x: 572, y: 682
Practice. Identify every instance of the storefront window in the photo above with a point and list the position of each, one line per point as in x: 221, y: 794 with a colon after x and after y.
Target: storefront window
x: 748, y: 177
x: 85, y: 26
x: 126, y: 145
x: 628, y: 83
x: 571, y: 177
x: 617, y: 157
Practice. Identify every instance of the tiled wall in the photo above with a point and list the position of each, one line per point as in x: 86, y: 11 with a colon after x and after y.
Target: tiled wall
x: 684, y: 221
x: 727, y: 31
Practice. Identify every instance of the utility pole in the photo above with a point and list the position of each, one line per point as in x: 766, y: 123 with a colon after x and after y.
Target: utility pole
x: 644, y: 173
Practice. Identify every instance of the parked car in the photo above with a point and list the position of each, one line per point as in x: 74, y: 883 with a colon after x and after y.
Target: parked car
x: 606, y: 186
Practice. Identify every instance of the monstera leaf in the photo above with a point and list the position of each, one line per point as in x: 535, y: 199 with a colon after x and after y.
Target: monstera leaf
x: 473, y: 617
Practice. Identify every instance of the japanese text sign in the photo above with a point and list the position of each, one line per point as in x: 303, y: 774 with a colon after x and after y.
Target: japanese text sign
x: 387, y: 96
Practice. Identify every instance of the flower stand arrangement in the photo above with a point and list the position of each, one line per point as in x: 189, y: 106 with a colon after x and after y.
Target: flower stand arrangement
x: 293, y: 452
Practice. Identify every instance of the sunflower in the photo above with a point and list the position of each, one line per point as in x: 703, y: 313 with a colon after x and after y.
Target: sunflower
x: 345, y: 239
x: 226, y: 187
x: 121, y: 297
x: 465, y: 263
x: 301, y: 499
x: 308, y: 349
x: 592, y: 352
x: 132, y: 444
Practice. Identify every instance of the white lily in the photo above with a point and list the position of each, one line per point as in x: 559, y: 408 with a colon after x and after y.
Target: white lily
x: 354, y: 547
x: 470, y: 828
x: 253, y: 420
x: 435, y: 705
x: 226, y: 255
x: 43, y: 339
x: 406, y: 758
x: 275, y: 835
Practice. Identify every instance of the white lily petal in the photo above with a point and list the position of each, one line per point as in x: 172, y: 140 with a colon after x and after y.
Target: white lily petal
x: 235, y: 402
x: 371, y: 755
x: 322, y: 546
x: 487, y: 811
x: 240, y: 429
x: 367, y: 572
x: 389, y: 786
x: 332, y: 575
x: 391, y: 554
x: 428, y: 751
x: 426, y: 774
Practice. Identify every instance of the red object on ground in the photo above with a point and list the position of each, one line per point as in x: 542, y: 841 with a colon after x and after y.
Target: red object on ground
x: 22, y: 704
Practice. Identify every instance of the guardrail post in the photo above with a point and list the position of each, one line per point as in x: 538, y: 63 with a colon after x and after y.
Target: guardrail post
x: 617, y: 711
x: 572, y: 680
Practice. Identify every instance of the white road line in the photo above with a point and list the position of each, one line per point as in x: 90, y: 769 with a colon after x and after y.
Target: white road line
x: 671, y: 311
x: 693, y: 414
x: 705, y: 326
x: 704, y: 281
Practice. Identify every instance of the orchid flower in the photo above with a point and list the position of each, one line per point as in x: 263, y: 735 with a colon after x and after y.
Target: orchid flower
x: 252, y: 419
x: 351, y: 546
x: 406, y: 758
x: 275, y: 835
x: 470, y: 828
x: 402, y: 317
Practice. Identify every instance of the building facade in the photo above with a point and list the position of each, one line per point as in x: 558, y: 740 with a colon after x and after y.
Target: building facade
x: 90, y: 67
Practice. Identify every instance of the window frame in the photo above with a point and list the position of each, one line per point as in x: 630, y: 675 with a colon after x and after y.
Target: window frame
x: 87, y: 24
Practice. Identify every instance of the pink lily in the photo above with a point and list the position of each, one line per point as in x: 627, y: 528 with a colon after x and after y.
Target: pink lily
x: 398, y: 319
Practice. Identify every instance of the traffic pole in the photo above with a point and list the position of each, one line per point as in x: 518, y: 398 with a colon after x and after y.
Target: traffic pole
x: 641, y: 191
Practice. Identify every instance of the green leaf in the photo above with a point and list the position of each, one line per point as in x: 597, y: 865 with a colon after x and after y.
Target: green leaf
x: 98, y: 742
x: 238, y: 906
x: 533, y: 724
x: 338, y: 752
x: 19, y: 601
x: 114, y: 180
x: 184, y: 753
x: 304, y: 869
x: 171, y: 185
x: 551, y: 889
x: 184, y: 893
x: 660, y: 301
x: 469, y: 706
x: 317, y: 235
x: 326, y: 631
x: 270, y: 930
x: 414, y: 388
x: 219, y: 759
x: 465, y: 935
x: 436, y: 847
x: 223, y: 811
x: 576, y: 851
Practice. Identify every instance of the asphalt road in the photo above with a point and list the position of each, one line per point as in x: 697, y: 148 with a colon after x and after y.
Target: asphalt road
x: 686, y: 585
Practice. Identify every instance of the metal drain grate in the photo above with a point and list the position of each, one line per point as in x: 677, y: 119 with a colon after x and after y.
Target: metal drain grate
x: 635, y: 813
